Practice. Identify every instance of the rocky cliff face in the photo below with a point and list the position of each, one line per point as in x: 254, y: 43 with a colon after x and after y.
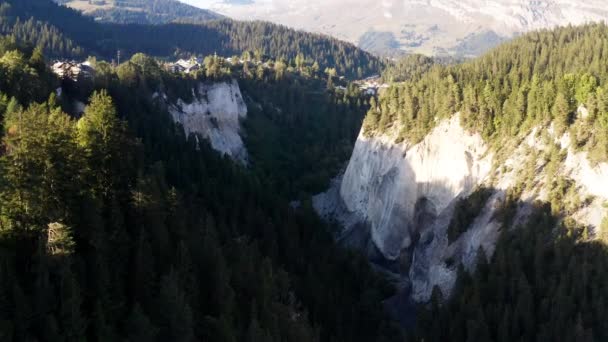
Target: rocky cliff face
x: 215, y: 114
x: 395, y: 187
x: 520, y: 15
x: 396, y: 201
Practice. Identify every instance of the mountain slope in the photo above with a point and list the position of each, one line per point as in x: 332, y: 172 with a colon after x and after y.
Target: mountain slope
x: 140, y: 12
x: 434, y: 27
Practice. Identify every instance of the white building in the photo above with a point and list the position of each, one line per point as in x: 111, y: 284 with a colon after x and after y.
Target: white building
x: 73, y: 70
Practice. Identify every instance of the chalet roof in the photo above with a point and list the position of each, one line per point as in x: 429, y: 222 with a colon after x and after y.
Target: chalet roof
x: 72, y: 69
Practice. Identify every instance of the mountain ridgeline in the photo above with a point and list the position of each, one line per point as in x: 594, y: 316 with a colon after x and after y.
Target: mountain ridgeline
x: 461, y: 28
x: 60, y: 29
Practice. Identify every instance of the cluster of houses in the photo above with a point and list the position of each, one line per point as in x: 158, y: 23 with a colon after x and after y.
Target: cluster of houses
x: 76, y: 71
x: 196, y: 63
x: 371, y: 85
x: 73, y: 70
x: 186, y: 65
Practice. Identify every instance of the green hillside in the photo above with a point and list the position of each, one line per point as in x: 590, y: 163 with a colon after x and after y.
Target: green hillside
x: 140, y: 12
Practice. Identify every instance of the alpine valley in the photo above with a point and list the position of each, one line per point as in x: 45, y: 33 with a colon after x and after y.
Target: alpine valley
x: 433, y: 27
x: 171, y: 174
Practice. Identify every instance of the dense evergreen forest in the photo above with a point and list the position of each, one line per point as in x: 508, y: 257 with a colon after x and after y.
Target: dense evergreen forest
x: 536, y: 79
x: 413, y: 67
x: 70, y: 30
x: 302, y: 135
x: 116, y: 226
x: 147, y: 11
x: 38, y: 33
x: 542, y: 284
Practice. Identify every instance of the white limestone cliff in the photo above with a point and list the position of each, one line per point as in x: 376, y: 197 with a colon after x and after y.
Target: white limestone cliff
x: 396, y: 201
x: 384, y: 182
x: 215, y: 114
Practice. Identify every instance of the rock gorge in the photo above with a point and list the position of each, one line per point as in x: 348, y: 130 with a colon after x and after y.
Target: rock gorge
x: 396, y: 200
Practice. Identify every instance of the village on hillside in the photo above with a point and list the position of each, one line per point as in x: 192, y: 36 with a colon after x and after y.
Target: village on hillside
x: 73, y: 70
x: 78, y: 71
x: 194, y: 64
x: 371, y: 85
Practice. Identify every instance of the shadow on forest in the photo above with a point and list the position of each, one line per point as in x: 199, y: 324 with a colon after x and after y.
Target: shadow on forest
x: 547, y: 280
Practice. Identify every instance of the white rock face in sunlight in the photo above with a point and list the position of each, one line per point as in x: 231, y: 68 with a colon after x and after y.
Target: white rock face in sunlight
x: 385, y: 182
x: 404, y: 196
x: 400, y: 198
x: 215, y: 113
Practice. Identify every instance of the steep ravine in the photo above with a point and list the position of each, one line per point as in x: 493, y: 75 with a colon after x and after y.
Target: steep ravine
x: 396, y: 200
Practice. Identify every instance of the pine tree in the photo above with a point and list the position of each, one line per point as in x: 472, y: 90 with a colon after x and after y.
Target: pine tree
x: 561, y: 114
x: 174, y: 310
x: 104, y: 140
x: 71, y: 317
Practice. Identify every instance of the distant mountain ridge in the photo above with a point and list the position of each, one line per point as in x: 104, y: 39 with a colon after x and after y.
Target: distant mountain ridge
x: 140, y: 11
x: 432, y: 27
x: 65, y: 32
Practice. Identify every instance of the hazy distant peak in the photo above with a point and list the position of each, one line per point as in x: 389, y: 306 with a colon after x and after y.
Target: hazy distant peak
x: 464, y: 27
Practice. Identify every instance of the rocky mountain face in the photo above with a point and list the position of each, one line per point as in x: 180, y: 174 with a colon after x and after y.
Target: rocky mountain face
x: 215, y: 114
x: 396, y: 201
x: 437, y: 27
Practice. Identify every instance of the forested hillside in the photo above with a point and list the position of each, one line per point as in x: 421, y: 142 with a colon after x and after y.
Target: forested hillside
x: 539, y: 78
x: 542, y: 284
x: 116, y: 226
x: 301, y: 135
x: 140, y: 11
x: 38, y: 33
x: 224, y: 37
